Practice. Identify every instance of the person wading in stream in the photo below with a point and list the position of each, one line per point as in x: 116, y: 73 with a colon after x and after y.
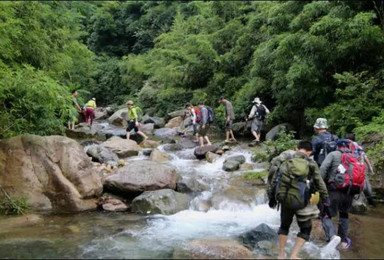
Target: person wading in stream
x: 292, y: 178
x: 90, y: 108
x: 229, y: 117
x: 133, y: 122
x: 344, y: 174
x: 258, y: 113
x: 205, y: 123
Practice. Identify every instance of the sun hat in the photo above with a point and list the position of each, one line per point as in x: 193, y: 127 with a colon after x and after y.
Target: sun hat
x: 321, y: 123
x: 257, y: 100
x: 130, y: 102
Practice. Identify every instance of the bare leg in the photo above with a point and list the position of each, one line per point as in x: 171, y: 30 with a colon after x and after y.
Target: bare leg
x: 201, y: 141
x: 232, y: 135
x: 128, y: 135
x: 296, y: 249
x: 197, y: 137
x: 207, y: 139
x: 143, y: 135
x: 282, y: 243
x: 226, y: 136
x: 257, y: 137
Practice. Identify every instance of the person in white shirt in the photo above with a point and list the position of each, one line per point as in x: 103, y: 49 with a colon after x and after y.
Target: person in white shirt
x: 258, y: 113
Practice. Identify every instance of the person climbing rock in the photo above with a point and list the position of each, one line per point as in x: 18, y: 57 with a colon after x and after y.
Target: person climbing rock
x: 73, y: 111
x: 204, y: 124
x: 133, y: 122
x: 229, y: 117
x: 324, y: 142
x: 90, y: 108
x: 292, y: 178
x: 334, y: 170
x: 259, y: 113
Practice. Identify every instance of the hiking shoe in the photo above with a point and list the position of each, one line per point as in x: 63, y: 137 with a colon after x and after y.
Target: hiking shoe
x: 333, y: 243
x: 339, y: 247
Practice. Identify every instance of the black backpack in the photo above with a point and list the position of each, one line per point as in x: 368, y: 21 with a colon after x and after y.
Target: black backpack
x: 328, y: 145
x: 211, y: 115
x: 260, y: 112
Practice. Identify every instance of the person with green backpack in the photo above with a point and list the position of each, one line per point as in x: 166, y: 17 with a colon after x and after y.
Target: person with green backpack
x: 293, y: 178
x: 134, y: 114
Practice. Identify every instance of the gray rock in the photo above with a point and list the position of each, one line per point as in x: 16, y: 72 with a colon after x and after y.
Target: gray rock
x: 237, y: 158
x: 230, y: 166
x: 261, y: 233
x: 187, y: 143
x: 122, y: 147
x: 114, y: 205
x: 147, y: 128
x: 176, y: 113
x: 157, y: 156
x: 166, y: 133
x: 147, y: 151
x: 140, y: 176
x: 165, y: 201
x: 84, y: 133
x: 201, y: 151
x: 273, y: 134
x: 101, y: 113
x: 157, y: 121
x: 119, y: 118
x: 226, y: 148
x: 188, y: 184
x: 101, y: 154
x: 211, y: 157
x: 172, y: 147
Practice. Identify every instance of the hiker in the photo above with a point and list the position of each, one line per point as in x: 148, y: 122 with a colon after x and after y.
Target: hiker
x: 357, y: 149
x: 324, y: 142
x: 133, y: 122
x: 292, y: 178
x: 258, y: 113
x: 90, y: 108
x: 73, y: 111
x: 204, y: 124
x: 343, y: 173
x: 195, y: 115
x: 229, y: 117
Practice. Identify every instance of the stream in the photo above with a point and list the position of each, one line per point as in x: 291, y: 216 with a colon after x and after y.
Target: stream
x: 125, y: 235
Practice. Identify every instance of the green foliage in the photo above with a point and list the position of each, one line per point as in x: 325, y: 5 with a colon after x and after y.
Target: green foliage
x: 14, y: 205
x: 285, y: 141
x: 255, y: 175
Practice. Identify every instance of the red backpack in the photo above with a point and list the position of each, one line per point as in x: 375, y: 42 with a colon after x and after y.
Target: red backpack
x: 353, y: 174
x: 198, y: 115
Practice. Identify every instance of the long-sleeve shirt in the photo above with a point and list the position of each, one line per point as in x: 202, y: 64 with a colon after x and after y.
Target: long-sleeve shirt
x: 204, y: 115
x: 252, y: 114
x: 229, y: 112
x: 317, y: 142
x: 317, y: 183
x: 132, y: 113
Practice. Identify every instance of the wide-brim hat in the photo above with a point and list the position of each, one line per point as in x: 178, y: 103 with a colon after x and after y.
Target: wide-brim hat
x: 321, y: 123
x: 257, y: 100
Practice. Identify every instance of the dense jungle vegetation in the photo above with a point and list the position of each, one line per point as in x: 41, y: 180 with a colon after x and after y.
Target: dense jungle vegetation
x: 303, y: 59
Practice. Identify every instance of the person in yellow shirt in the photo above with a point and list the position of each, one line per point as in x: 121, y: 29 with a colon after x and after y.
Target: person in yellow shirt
x: 133, y: 122
x: 90, y: 108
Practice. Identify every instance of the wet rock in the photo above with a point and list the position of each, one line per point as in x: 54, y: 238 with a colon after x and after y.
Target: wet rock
x: 359, y: 204
x: 211, y: 157
x: 262, y: 232
x: 212, y: 248
x: 166, y: 133
x: 172, y: 147
x: 147, y: 151
x: 157, y: 156
x: 187, y: 143
x: 140, y: 176
x: 122, y: 147
x: 90, y: 142
x: 178, y: 113
x: 101, y: 154
x: 273, y: 134
x: 234, y: 198
x: 233, y: 163
x: 149, y: 144
x: 101, y: 113
x: 241, y: 128
x: 175, y: 122
x: 84, y: 133
x: 246, y: 167
x: 114, y: 205
x: 264, y: 165
x: 53, y: 172
x: 165, y: 201
x: 119, y: 118
x: 157, y: 121
x: 226, y: 148
x: 147, y: 128
x: 187, y: 184
x: 10, y: 223
x: 220, y: 152
x: 201, y: 151
x: 237, y: 158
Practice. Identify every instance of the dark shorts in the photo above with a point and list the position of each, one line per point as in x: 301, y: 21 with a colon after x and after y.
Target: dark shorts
x: 203, y: 132
x: 341, y: 202
x: 228, y: 125
x: 132, y: 125
x: 286, y: 218
x: 257, y: 125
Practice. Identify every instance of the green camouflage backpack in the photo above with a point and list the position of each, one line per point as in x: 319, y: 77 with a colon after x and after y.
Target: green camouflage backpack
x: 139, y: 114
x: 292, y: 189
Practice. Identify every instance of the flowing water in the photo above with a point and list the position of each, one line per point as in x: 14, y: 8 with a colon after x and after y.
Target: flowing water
x: 123, y: 235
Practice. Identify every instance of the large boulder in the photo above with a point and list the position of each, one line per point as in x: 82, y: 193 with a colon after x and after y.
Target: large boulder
x: 149, y: 144
x: 177, y: 113
x: 261, y: 233
x: 211, y: 157
x: 85, y: 132
x: 212, y: 249
x: 186, y: 143
x: 101, y: 113
x: 112, y: 204
x: 201, y: 151
x: 53, y: 172
x: 158, y: 156
x: 187, y: 184
x: 122, y: 147
x: 172, y: 147
x: 164, y: 201
x: 233, y: 163
x: 157, y: 121
x: 175, y: 122
x: 119, y: 118
x: 165, y: 133
x: 273, y: 134
x: 141, y: 176
x: 235, y: 198
x: 101, y: 154
x: 147, y: 128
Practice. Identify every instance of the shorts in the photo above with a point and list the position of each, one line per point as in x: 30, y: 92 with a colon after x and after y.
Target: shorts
x: 286, y: 218
x: 203, y: 132
x: 257, y: 125
x: 228, y: 125
x: 132, y: 125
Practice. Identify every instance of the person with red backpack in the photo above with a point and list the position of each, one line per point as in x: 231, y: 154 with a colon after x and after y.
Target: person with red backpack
x: 195, y: 115
x: 344, y: 174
